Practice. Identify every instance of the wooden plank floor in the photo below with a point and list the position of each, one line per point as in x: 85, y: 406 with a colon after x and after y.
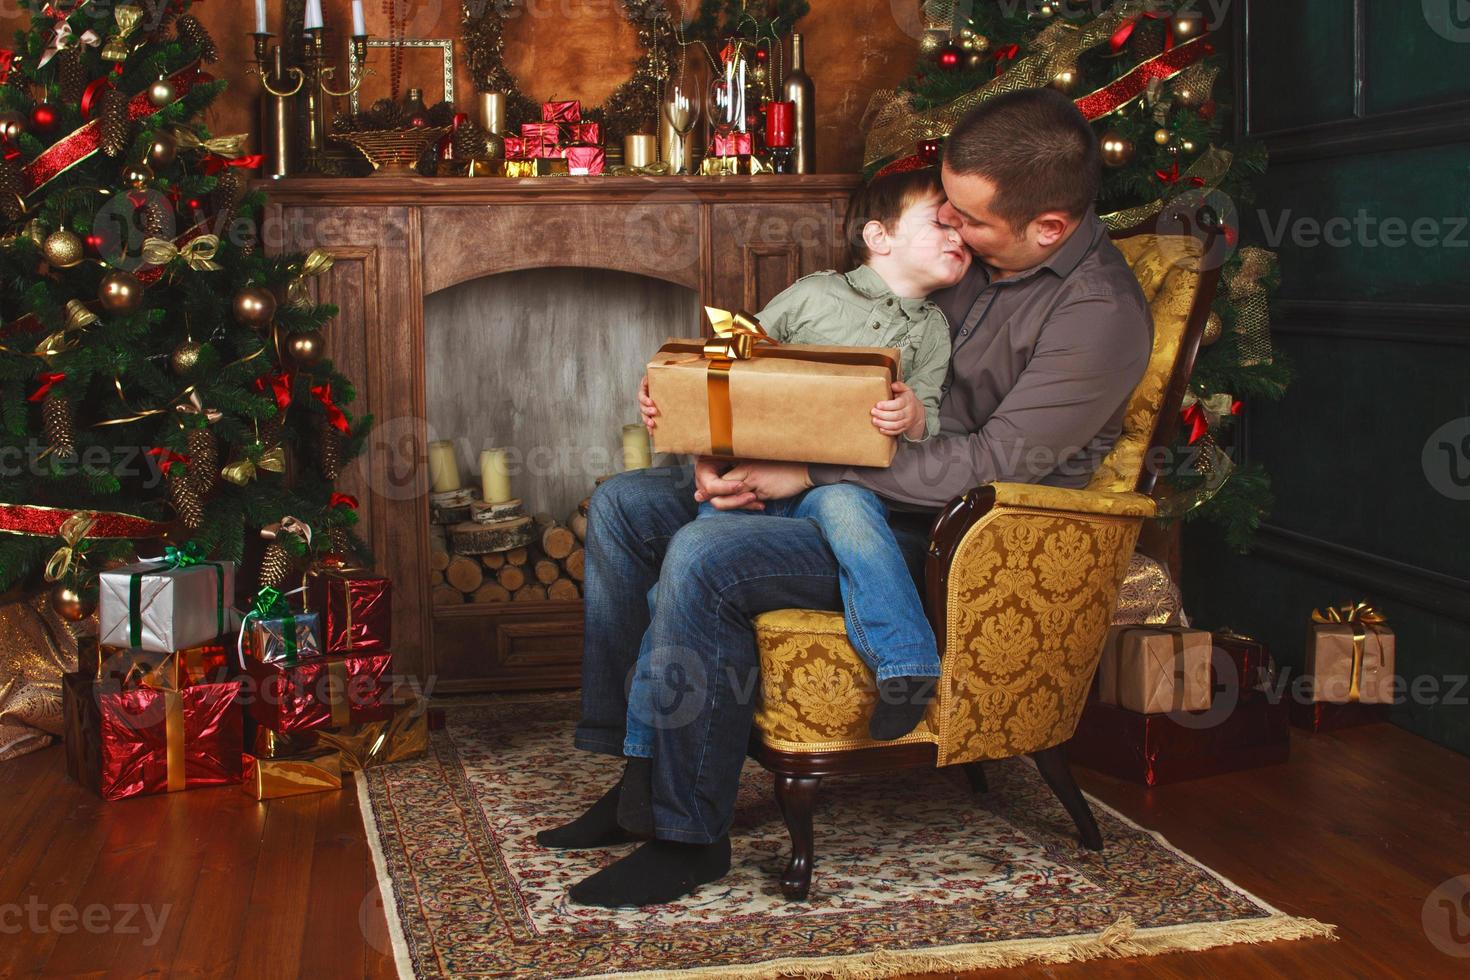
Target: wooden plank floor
x: 1357, y: 830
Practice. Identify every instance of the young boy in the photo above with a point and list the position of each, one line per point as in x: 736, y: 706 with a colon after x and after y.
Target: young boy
x: 905, y: 253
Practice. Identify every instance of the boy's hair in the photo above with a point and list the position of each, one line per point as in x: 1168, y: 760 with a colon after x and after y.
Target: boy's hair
x: 885, y: 200
x: 1036, y: 148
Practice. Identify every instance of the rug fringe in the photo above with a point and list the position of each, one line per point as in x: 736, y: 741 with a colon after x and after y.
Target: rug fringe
x: 1121, y: 939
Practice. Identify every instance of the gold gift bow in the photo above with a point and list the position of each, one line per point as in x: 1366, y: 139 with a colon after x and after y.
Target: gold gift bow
x: 229, y: 147
x: 736, y: 336
x: 78, y: 317
x: 317, y: 261
x: 117, y: 47
x: 1357, y: 615
x: 73, y: 530
x: 243, y: 471
x: 198, y: 252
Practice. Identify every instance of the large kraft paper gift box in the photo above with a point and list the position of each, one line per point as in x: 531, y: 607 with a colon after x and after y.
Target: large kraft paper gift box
x: 1155, y: 669
x: 740, y: 394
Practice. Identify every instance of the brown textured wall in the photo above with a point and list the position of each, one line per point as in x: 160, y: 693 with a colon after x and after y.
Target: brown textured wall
x: 580, y: 49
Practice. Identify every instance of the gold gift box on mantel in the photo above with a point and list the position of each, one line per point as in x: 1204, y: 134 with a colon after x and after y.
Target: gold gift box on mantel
x: 1155, y: 669
x: 741, y: 394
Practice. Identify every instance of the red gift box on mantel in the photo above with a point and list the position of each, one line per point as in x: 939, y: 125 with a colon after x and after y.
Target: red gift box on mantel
x: 355, y: 607
x: 586, y: 160
x: 561, y: 112
x: 541, y: 141
x: 1170, y: 748
x: 584, y: 132
x: 321, y: 692
x: 515, y: 147
x: 732, y: 145
x: 125, y: 742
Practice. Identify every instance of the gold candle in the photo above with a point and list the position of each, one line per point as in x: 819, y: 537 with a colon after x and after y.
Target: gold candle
x: 492, y: 112
x: 676, y: 150
x: 494, y: 476
x: 640, y: 149
x: 443, y: 466
x: 637, y: 454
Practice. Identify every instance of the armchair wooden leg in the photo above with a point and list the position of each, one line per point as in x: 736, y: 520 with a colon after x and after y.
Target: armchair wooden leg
x: 797, y: 797
x: 975, y: 773
x: 1058, y: 775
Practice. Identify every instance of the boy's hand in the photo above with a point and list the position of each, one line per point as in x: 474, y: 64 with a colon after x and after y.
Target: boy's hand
x: 646, y: 405
x: 902, y: 414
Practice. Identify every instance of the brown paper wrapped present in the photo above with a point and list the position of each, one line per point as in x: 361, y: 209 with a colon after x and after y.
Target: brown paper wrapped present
x: 1155, y: 669
x: 1350, y: 656
x: 740, y: 394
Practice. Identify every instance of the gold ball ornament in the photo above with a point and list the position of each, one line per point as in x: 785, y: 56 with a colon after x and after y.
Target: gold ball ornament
x: 71, y: 604
x: 120, y: 293
x: 1187, y: 146
x: 163, y: 150
x: 12, y: 124
x: 137, y: 175
x: 758, y: 73
x: 306, y: 348
x: 254, y: 306
x: 1188, y: 25
x: 1065, y: 80
x: 1214, y: 329
x: 162, y: 92
x: 980, y: 43
x: 1162, y: 136
x: 931, y: 42
x: 62, y: 248
x: 185, y: 357
x: 1117, y: 150
x: 966, y: 34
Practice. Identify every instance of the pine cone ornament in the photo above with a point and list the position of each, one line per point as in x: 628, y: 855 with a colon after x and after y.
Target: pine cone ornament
x: 229, y: 187
x: 331, y: 443
x: 193, y: 35
x: 271, y: 431
x: 56, y: 422
x: 186, y: 499
x: 275, y: 565
x: 70, y: 76
x: 115, y: 126
x: 468, y: 142
x: 157, y: 217
x: 11, y: 204
x: 203, y: 459
x: 341, y: 541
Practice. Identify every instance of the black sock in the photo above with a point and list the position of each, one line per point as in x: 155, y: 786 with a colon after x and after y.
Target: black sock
x: 598, y: 827
x: 901, y: 705
x: 635, y: 801
x: 659, y: 871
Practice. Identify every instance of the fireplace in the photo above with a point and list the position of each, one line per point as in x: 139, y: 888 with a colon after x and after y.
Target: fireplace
x: 518, y: 314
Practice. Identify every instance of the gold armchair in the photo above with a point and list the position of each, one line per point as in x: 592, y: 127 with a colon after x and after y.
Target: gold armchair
x: 1020, y: 585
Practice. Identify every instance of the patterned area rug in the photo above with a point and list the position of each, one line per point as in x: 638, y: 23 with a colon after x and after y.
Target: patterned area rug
x: 914, y: 873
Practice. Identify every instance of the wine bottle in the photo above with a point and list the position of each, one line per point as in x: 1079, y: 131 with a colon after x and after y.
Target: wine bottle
x: 799, y: 89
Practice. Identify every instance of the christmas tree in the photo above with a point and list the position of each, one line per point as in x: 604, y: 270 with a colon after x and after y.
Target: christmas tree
x: 160, y: 377
x: 1146, y: 73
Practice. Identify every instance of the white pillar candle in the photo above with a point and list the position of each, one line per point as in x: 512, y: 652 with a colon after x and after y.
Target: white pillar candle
x: 495, y: 476
x: 313, y: 14
x: 443, y: 466
x: 260, y: 16
x: 359, y: 26
x: 637, y: 454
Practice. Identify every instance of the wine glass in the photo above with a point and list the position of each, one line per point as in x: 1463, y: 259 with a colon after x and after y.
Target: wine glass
x: 680, y: 110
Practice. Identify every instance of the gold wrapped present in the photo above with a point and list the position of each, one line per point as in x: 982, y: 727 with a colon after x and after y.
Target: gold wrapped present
x: 271, y: 779
x: 741, y: 394
x: 1350, y: 656
x: 1155, y: 669
x: 362, y: 746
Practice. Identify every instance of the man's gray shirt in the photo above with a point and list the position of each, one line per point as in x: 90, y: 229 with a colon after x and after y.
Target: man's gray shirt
x: 1041, y: 368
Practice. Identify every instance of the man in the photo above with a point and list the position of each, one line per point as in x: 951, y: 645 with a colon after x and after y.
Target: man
x: 1050, y: 334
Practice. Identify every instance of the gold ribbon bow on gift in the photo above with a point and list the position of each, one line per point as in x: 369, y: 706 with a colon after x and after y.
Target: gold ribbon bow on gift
x: 737, y: 334
x: 1358, y: 616
x: 73, y: 530
x: 198, y: 252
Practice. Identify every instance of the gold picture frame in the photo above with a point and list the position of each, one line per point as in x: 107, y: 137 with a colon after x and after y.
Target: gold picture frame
x: 354, y: 68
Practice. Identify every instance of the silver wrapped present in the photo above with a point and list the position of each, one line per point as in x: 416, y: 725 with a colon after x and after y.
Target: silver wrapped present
x: 166, y: 605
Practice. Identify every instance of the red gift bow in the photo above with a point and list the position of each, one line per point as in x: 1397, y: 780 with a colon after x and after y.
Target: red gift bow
x: 214, y: 163
x: 1007, y: 53
x: 167, y: 458
x: 1194, y: 417
x: 342, y: 500
x: 48, y: 381
x: 280, y: 385
x: 1122, y: 34
x: 335, y: 415
x: 1172, y: 176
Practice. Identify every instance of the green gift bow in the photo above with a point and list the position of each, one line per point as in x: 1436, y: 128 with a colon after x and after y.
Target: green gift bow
x: 271, y: 604
x: 173, y: 557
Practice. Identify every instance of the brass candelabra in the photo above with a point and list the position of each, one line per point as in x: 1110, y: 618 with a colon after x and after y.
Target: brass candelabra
x: 310, y: 82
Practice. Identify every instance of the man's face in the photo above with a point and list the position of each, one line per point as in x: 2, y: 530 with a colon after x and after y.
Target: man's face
x: 990, y: 237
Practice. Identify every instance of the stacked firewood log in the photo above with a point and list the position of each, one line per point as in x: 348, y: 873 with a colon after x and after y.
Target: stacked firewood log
x: 483, y: 552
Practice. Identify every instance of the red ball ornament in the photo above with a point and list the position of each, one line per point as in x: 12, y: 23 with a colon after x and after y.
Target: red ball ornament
x: 43, y: 118
x: 195, y: 204
x: 950, y: 58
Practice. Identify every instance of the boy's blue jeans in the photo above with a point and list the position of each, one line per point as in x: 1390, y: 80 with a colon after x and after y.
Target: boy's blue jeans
x: 885, y: 618
x: 710, y: 578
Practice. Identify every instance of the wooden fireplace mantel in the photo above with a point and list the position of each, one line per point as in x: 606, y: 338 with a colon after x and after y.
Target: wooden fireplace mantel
x: 735, y: 241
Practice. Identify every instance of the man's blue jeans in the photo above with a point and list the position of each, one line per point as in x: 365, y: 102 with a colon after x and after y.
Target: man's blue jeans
x: 885, y: 618
x: 707, y: 580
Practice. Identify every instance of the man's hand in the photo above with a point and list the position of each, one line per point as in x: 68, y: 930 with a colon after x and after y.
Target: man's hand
x: 747, y: 484
x: 902, y: 414
x: 646, y: 405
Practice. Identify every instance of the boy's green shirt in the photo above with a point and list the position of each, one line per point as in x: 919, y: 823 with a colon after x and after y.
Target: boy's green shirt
x: 857, y: 309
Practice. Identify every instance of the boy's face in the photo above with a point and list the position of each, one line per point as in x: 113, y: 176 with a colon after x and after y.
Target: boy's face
x: 927, y: 248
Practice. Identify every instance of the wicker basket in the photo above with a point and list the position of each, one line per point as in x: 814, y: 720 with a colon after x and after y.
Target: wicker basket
x: 394, y: 152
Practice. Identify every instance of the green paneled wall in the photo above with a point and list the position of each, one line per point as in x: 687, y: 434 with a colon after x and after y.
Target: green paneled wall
x: 1382, y: 359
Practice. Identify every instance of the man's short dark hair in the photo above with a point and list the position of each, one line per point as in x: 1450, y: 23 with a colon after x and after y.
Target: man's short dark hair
x: 1036, y: 148
x: 884, y: 200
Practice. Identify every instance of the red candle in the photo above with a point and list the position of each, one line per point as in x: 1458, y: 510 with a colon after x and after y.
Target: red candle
x: 780, y: 122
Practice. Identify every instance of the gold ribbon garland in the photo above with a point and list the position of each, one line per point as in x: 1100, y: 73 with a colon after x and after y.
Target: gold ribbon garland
x: 1360, y: 617
x: 73, y: 530
x: 1205, y: 174
x: 1248, y: 292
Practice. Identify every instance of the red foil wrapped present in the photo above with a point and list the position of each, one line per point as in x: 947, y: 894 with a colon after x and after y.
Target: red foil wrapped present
x: 1249, y: 661
x: 123, y: 742
x: 321, y: 692
x: 356, y: 609
x: 541, y: 141
x: 1158, y: 749
x: 732, y: 145
x: 515, y: 147
x: 584, y: 132
x: 561, y: 112
x: 1325, y: 716
x: 586, y: 160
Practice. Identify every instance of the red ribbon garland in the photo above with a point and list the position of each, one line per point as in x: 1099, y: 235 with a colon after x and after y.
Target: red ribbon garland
x: 167, y: 459
x: 335, y: 415
x: 92, y: 93
x: 1002, y: 55
x: 1172, y: 176
x: 213, y: 163
x: 49, y: 380
x: 342, y: 500
x: 1124, y: 90
x: 47, y: 521
x: 280, y: 386
x: 1194, y: 417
